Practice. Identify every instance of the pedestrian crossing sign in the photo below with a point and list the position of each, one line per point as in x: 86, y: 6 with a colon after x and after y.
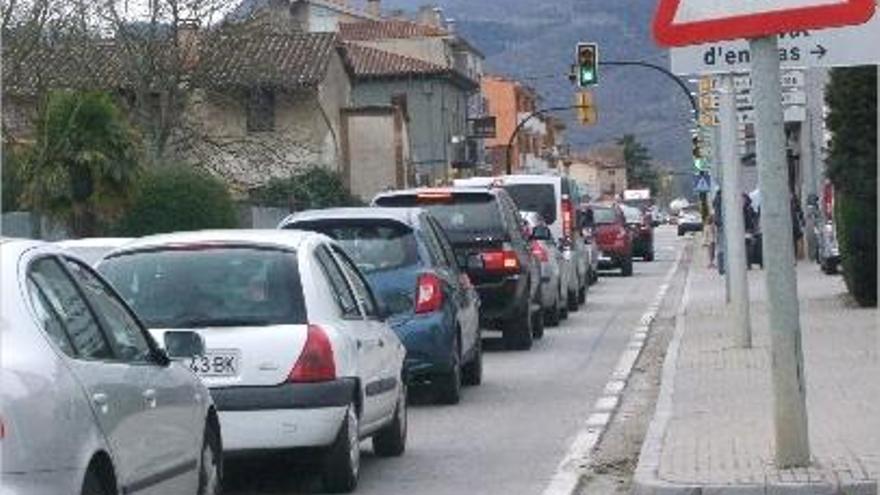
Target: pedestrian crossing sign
x: 702, y: 183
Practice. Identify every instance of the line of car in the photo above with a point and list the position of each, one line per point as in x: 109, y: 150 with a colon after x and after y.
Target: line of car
x: 141, y: 374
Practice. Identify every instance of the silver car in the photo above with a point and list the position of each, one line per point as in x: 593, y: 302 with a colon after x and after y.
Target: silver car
x: 554, y: 279
x: 89, y: 404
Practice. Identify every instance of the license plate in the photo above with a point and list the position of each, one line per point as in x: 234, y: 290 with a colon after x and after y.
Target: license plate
x: 216, y: 363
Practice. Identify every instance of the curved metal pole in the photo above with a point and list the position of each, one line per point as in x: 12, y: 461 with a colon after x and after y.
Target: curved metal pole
x: 620, y: 63
x: 522, y: 124
x: 662, y: 70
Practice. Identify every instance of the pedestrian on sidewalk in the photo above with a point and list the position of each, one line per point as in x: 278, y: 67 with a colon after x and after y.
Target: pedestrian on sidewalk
x: 718, y: 224
x: 710, y: 239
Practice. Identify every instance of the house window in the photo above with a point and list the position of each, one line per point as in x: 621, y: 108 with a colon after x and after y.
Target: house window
x: 261, y: 110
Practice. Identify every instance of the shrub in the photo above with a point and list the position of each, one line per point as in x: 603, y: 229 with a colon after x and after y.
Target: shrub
x: 178, y: 198
x: 852, y: 166
x: 312, y: 188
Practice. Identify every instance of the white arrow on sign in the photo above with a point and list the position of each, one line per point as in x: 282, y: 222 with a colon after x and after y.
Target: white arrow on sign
x: 838, y: 47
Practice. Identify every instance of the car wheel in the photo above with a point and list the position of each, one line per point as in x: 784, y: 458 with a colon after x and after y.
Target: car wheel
x: 449, y: 383
x: 391, y: 440
x: 93, y: 484
x: 343, y: 462
x: 211, y: 464
x: 472, y: 374
x: 551, y: 316
x: 680, y: 233
x: 517, y: 333
x: 627, y: 268
x: 538, y: 324
x: 649, y: 256
x: 582, y: 295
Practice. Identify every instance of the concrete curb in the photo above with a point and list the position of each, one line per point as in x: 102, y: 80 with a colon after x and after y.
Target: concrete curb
x: 568, y: 476
x: 646, y: 480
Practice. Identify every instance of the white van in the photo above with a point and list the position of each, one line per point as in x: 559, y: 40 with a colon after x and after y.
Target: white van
x: 556, y: 198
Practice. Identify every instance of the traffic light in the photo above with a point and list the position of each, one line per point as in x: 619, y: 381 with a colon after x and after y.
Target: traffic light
x: 587, y: 64
x: 699, y: 162
x: 586, y: 109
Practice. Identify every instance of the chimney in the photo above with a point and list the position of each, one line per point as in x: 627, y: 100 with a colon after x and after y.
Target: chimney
x: 188, y: 43
x: 374, y: 8
x: 451, y: 25
x: 431, y: 15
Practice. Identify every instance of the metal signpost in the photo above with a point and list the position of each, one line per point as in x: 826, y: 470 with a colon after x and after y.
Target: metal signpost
x: 695, y: 22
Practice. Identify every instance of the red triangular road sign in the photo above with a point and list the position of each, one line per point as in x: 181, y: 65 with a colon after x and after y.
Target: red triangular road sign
x: 691, y: 22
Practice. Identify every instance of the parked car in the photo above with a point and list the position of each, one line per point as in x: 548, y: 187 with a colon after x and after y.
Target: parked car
x: 554, y: 280
x: 90, y: 403
x: 640, y: 223
x: 411, y: 265
x: 689, y: 220
x: 92, y: 249
x: 487, y: 235
x: 615, y: 240
x: 298, y: 350
x: 555, y: 198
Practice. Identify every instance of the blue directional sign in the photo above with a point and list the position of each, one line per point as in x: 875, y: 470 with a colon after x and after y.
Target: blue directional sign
x: 702, y: 183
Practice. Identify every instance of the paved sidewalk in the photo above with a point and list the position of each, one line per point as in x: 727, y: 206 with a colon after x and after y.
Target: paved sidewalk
x: 713, y: 431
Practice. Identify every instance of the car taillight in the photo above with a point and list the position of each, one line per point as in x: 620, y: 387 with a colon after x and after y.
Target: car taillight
x: 502, y: 260
x: 566, y: 217
x: 429, y: 293
x: 2, y: 429
x: 316, y: 362
x: 540, y: 252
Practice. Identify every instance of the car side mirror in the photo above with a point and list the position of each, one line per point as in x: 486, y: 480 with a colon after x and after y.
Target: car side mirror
x: 542, y: 233
x: 182, y: 344
x: 383, y: 312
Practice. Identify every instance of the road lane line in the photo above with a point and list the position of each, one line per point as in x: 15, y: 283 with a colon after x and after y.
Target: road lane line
x: 567, y: 478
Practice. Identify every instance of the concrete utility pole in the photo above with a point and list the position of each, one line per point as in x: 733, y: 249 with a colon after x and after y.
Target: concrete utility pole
x: 789, y: 387
x: 734, y: 222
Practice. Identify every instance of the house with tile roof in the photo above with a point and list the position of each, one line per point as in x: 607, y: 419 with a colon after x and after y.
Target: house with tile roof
x: 261, y: 103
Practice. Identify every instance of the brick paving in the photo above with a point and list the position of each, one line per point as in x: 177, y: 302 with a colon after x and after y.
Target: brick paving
x: 721, y: 431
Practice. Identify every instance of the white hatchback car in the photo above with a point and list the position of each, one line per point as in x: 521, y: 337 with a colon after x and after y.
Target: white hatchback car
x: 89, y: 404
x: 298, y: 351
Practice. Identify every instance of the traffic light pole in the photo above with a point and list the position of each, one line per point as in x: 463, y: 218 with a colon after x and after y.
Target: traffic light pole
x: 618, y: 63
x: 789, y: 384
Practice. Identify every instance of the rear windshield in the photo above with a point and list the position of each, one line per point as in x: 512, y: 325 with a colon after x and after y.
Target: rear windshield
x: 604, y: 215
x: 540, y: 198
x: 210, y: 287
x: 633, y: 215
x: 464, y: 217
x: 374, y: 245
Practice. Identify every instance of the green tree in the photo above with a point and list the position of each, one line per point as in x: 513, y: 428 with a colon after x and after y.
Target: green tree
x: 178, y: 198
x: 314, y: 187
x: 852, y: 168
x: 83, y: 164
x: 11, y: 187
x: 639, y: 171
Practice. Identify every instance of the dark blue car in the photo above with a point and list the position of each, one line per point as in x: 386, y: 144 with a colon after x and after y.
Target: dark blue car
x: 407, y: 258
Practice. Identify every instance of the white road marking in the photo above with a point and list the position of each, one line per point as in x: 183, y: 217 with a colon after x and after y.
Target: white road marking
x: 567, y: 478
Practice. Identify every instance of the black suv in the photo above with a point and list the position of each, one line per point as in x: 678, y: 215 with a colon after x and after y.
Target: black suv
x: 487, y: 235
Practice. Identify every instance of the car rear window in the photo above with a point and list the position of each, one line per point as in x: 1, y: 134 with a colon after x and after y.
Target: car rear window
x: 540, y: 198
x: 633, y: 215
x: 602, y: 215
x: 374, y: 245
x: 210, y: 287
x: 464, y: 216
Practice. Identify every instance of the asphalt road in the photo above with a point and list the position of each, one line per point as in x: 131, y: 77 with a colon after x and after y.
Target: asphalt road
x: 508, y: 435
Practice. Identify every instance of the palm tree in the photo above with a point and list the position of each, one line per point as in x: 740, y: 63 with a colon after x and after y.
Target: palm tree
x: 84, y: 162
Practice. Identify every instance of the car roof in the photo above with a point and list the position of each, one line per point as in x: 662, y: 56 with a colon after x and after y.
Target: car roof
x: 408, y: 216
x: 436, y: 190
x: 94, y: 242
x: 276, y: 238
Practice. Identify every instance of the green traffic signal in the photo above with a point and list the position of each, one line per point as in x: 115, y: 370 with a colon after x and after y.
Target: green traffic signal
x: 588, y: 64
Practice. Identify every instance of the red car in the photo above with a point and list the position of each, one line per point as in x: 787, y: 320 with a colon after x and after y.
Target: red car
x: 614, y: 239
